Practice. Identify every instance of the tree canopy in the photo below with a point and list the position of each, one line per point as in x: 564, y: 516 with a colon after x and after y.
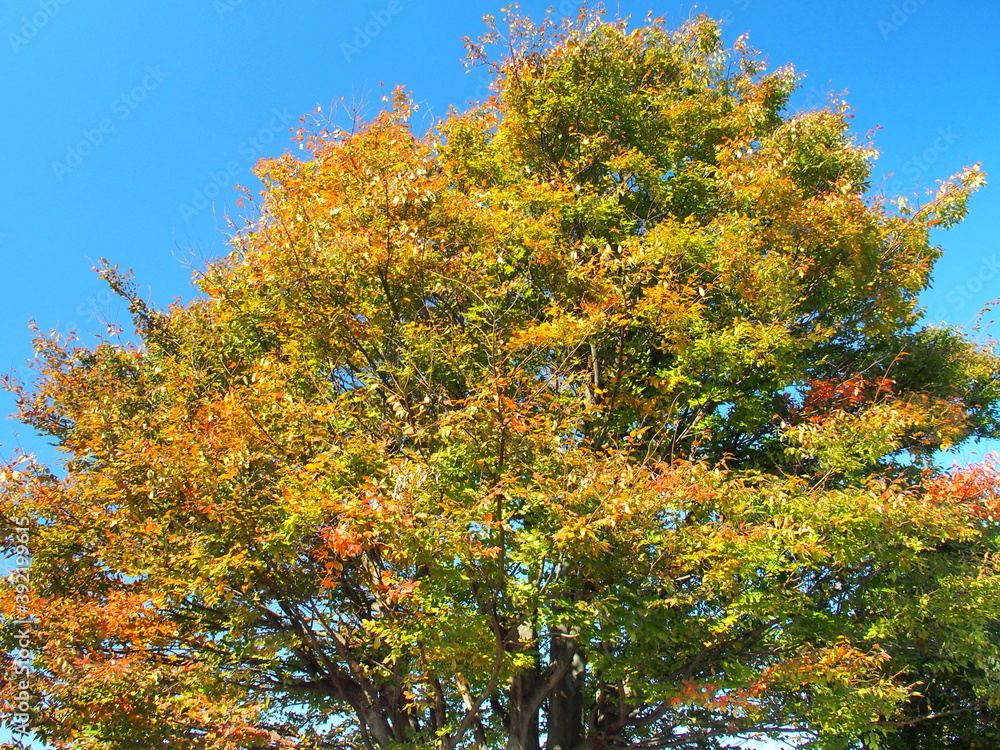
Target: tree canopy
x: 600, y: 416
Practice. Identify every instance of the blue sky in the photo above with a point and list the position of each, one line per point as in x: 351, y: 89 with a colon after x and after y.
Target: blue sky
x: 127, y: 124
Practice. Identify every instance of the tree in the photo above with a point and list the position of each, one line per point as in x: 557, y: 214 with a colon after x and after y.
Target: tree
x: 599, y: 417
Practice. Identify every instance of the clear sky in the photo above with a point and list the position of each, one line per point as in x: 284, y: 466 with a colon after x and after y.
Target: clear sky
x: 126, y: 124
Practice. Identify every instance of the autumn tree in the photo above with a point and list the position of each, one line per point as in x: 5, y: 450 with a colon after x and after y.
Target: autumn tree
x: 601, y: 416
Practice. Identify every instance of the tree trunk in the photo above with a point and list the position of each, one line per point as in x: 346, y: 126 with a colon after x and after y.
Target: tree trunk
x: 522, y: 731
x: 564, y: 728
x: 378, y: 728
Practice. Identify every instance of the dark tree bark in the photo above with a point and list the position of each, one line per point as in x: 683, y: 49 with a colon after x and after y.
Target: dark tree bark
x: 565, y: 715
x: 523, y: 729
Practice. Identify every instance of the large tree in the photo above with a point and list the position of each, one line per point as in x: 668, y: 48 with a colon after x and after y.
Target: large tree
x: 599, y: 417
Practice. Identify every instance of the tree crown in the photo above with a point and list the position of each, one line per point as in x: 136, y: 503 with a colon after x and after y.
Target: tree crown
x: 600, y: 416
